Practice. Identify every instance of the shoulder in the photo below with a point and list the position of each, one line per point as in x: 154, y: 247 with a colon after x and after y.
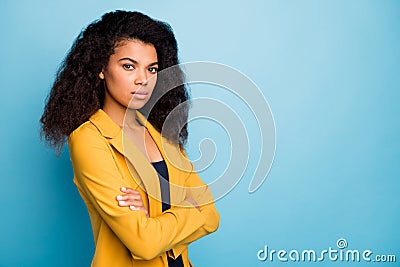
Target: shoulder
x: 86, y: 132
x: 86, y: 140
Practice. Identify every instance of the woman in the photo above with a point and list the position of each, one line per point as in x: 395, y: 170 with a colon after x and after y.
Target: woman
x: 145, y: 202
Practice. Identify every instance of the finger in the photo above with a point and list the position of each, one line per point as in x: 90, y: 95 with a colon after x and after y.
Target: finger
x: 128, y: 190
x: 137, y: 203
x: 128, y: 197
x: 132, y: 207
x: 122, y: 197
x: 125, y: 203
x: 134, y: 196
x: 131, y: 202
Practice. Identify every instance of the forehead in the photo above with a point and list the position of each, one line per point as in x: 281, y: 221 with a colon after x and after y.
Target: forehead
x: 135, y: 49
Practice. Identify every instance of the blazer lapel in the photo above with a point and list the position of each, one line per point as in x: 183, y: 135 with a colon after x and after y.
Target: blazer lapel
x: 147, y: 175
x: 135, y: 159
x: 178, y: 166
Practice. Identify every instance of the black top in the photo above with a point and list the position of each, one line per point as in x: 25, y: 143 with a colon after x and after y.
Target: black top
x: 162, y: 170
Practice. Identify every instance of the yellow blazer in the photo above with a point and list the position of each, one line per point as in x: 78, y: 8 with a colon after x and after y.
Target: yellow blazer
x: 103, y: 160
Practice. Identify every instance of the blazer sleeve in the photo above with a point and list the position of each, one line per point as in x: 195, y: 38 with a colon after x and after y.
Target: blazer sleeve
x: 98, y: 176
x: 201, y: 193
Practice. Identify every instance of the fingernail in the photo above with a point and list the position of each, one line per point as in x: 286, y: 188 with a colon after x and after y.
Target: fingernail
x: 132, y: 207
x: 121, y: 203
x: 119, y: 197
x: 123, y: 188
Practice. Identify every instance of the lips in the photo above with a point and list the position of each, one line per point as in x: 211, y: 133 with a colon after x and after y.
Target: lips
x: 139, y: 94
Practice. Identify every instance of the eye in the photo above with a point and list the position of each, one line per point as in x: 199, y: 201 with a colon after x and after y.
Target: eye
x: 128, y: 66
x: 153, y: 70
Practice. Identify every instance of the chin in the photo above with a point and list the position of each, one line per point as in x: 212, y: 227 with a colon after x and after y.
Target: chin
x: 136, y: 104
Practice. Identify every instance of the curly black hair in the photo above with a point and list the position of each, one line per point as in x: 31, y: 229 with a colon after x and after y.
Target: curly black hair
x: 77, y: 92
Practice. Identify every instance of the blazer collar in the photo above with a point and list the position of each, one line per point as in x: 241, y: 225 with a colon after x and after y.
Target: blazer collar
x: 106, y: 126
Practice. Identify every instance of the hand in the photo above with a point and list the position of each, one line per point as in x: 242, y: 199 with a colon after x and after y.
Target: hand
x: 193, y: 202
x: 131, y: 199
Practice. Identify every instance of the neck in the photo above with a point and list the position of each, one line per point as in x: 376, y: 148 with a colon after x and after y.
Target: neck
x: 123, y: 116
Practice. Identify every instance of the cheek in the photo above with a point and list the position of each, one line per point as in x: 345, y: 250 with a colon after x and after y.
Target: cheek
x: 152, y: 82
x: 117, y: 77
x: 123, y: 78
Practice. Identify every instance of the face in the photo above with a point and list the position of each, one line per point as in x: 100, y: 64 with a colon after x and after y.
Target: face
x: 130, y: 75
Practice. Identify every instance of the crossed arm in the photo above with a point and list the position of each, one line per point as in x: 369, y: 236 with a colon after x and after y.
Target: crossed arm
x: 132, y: 199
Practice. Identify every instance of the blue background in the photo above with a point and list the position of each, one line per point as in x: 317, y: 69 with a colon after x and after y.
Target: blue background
x: 330, y: 72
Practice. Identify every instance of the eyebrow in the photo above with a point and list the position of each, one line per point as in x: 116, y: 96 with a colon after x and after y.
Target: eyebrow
x: 135, y: 62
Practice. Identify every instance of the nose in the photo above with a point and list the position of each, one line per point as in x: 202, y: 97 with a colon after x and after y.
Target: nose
x: 141, y: 77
